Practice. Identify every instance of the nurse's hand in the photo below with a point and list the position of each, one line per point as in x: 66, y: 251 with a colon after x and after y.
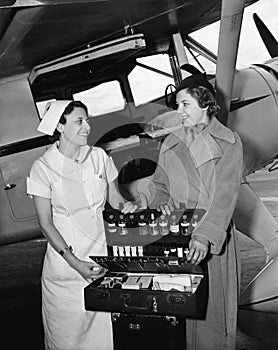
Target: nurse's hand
x: 129, y: 207
x: 198, y: 250
x: 89, y: 270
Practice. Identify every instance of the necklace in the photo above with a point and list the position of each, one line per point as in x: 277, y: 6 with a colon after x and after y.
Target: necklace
x: 76, y: 160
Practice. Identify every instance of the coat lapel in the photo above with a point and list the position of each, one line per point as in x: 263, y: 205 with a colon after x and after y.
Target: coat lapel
x: 197, y: 160
x: 205, y: 146
x: 203, y: 149
x: 197, y: 190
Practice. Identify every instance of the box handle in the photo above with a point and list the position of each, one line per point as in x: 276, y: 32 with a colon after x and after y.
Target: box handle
x: 152, y: 305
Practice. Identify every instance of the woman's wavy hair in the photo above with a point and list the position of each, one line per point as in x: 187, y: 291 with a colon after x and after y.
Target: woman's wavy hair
x: 199, y: 88
x: 70, y: 107
x: 205, y: 99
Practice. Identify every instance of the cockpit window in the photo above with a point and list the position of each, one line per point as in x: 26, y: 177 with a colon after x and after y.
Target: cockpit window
x: 104, y: 98
x: 146, y: 82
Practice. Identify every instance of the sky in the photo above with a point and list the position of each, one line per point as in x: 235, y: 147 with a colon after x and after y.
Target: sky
x: 251, y: 50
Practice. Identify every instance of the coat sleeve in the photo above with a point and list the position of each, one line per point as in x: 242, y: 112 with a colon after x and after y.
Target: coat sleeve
x: 228, y: 176
x: 160, y: 190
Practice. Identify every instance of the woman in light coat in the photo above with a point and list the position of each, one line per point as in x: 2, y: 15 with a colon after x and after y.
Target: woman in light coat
x: 201, y: 165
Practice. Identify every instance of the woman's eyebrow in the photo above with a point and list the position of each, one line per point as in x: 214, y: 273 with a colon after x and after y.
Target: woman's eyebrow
x: 77, y: 117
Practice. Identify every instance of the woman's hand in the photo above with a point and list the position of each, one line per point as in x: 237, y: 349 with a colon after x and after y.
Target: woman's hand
x: 198, y: 250
x: 166, y: 208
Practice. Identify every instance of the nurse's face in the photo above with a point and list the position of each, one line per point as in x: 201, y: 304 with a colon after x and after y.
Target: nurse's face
x: 189, y: 109
x: 76, y: 130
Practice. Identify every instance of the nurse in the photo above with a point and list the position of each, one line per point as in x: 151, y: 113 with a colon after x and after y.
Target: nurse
x: 201, y: 165
x: 69, y: 185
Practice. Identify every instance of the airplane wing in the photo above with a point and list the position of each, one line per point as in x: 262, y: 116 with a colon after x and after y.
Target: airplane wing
x: 36, y: 31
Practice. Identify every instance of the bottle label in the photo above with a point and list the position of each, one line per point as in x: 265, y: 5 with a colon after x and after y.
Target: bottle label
x: 143, y: 230
x: 112, y: 227
x: 142, y: 224
x: 174, y: 228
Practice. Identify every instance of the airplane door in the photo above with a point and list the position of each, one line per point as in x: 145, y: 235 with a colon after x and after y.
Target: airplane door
x: 19, y: 120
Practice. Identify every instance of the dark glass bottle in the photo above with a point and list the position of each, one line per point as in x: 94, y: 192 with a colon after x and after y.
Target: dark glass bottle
x: 166, y: 251
x: 163, y: 225
x: 184, y: 225
x: 174, y: 226
x: 153, y: 226
x: 194, y: 221
x: 131, y: 222
x: 185, y: 229
x: 142, y: 223
x: 173, y: 250
x: 111, y: 224
x: 122, y: 226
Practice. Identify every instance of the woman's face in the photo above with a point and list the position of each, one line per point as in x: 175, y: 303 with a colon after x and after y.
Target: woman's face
x: 189, y: 109
x: 76, y: 130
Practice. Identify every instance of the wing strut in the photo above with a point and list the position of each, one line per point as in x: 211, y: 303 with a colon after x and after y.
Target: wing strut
x: 178, y: 57
x: 230, y: 25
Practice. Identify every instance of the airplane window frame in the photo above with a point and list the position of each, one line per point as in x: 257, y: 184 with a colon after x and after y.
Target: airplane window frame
x: 81, y: 88
x: 138, y: 102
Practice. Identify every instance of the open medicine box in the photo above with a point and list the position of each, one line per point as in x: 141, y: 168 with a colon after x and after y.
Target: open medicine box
x: 149, y: 274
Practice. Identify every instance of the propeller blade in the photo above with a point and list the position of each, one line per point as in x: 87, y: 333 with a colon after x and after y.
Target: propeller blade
x: 270, y: 42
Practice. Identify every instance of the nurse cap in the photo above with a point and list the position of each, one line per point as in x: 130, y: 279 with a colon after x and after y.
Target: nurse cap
x: 51, y: 116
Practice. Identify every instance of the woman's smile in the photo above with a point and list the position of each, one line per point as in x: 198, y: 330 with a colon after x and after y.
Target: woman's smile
x: 84, y: 134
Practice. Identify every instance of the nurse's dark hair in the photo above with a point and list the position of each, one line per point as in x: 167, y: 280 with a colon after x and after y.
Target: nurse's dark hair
x: 70, y: 107
x: 204, y: 98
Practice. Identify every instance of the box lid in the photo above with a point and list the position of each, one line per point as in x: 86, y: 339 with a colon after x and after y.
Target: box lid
x: 158, y: 264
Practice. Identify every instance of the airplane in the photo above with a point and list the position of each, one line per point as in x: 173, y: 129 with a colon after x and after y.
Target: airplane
x: 74, y: 49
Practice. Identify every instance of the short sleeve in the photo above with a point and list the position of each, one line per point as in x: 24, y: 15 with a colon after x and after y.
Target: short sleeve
x: 110, y: 168
x: 38, y: 182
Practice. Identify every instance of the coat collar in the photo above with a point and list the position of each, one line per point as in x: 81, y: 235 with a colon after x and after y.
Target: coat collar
x: 215, y: 129
x: 218, y: 130
x: 205, y: 146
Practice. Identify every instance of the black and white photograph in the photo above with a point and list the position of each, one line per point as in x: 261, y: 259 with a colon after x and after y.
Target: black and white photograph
x: 139, y: 174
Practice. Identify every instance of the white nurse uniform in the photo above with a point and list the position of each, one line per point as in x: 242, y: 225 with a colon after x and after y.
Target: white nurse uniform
x: 77, y: 191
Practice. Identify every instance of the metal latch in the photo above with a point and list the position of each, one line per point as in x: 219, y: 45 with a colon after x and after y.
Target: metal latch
x: 173, y: 320
x: 115, y: 316
x: 134, y: 326
x: 174, y: 262
x: 154, y: 304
